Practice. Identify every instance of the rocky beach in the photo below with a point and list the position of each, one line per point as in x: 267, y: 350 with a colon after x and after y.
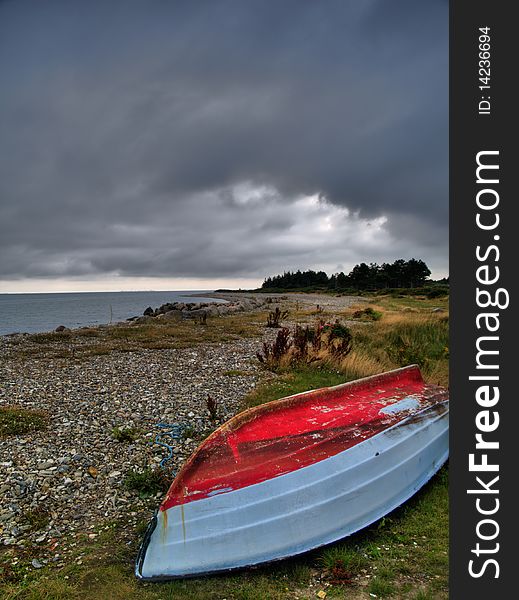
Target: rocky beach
x: 69, y: 479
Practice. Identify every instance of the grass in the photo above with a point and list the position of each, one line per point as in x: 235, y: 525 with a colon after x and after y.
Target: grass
x: 381, y: 587
x: 235, y: 373
x: 398, y: 340
x: 420, y: 304
x: 125, y: 434
x: 147, y: 482
x: 292, y: 382
x: 15, y: 420
x: 158, y: 335
x: 37, y: 518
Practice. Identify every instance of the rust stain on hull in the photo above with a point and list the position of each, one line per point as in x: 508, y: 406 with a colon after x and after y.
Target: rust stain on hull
x: 183, y: 517
x: 164, y: 526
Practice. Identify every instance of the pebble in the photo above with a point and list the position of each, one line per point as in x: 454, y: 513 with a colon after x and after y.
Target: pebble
x: 76, y: 469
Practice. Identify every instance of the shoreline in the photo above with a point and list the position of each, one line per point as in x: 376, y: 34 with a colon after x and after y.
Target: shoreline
x: 94, y: 312
x: 242, y: 301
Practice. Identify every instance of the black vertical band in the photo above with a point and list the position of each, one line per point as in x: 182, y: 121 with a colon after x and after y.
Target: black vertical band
x: 482, y: 122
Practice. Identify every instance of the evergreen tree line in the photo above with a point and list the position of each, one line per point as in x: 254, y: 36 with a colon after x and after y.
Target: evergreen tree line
x: 399, y: 274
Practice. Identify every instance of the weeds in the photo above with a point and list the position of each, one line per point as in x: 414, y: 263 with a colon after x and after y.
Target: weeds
x: 367, y: 314
x: 323, y: 342
x: 235, y: 373
x: 421, y: 342
x: 86, y: 342
x: 273, y: 353
x: 275, y: 317
x: 212, y: 407
x: 16, y: 420
x: 337, y: 338
x: 148, y: 482
x: 342, y: 563
x: 125, y: 434
x: 54, y: 336
x: 36, y: 518
x: 381, y: 587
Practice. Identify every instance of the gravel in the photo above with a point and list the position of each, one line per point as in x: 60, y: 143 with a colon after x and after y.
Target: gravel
x: 72, y: 473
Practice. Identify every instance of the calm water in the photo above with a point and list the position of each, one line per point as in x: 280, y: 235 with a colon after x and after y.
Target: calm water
x: 34, y: 313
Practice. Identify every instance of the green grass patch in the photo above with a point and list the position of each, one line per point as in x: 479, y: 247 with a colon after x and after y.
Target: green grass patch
x: 147, y: 482
x: 422, y: 343
x: 367, y: 314
x: 291, y: 382
x: 125, y: 434
x: 37, y: 518
x: 235, y: 373
x: 400, y: 340
x: 382, y: 588
x: 420, y: 304
x: 15, y: 420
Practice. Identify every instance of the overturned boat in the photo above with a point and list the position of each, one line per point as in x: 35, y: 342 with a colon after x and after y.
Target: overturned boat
x: 297, y: 473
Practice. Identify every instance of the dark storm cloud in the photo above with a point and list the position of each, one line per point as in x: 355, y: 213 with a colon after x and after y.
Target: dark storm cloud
x: 177, y: 138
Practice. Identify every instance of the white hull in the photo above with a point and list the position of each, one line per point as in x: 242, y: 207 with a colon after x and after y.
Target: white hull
x: 301, y: 510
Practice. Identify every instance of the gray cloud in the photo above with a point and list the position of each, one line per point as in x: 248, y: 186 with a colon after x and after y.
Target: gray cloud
x: 175, y: 138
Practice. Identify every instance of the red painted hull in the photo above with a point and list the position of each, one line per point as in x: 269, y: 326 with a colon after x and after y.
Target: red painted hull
x: 288, y: 434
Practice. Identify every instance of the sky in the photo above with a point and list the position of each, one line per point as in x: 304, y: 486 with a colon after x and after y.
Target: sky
x: 153, y: 144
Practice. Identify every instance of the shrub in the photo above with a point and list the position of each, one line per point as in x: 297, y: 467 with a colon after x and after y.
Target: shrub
x: 36, y: 518
x: 148, y: 482
x: 322, y: 342
x: 212, y: 407
x: 421, y: 342
x: 342, y: 563
x: 437, y: 293
x: 125, y: 434
x: 275, y: 317
x: 273, y: 353
x: 367, y: 314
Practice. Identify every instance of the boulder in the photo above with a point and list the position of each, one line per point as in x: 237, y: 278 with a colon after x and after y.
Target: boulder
x: 141, y: 320
x: 198, y: 313
x: 171, y: 315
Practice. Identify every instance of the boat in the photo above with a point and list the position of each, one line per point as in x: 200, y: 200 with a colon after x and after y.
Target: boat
x: 297, y: 473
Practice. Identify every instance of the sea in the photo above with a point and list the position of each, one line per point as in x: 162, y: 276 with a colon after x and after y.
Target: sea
x: 35, y: 313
